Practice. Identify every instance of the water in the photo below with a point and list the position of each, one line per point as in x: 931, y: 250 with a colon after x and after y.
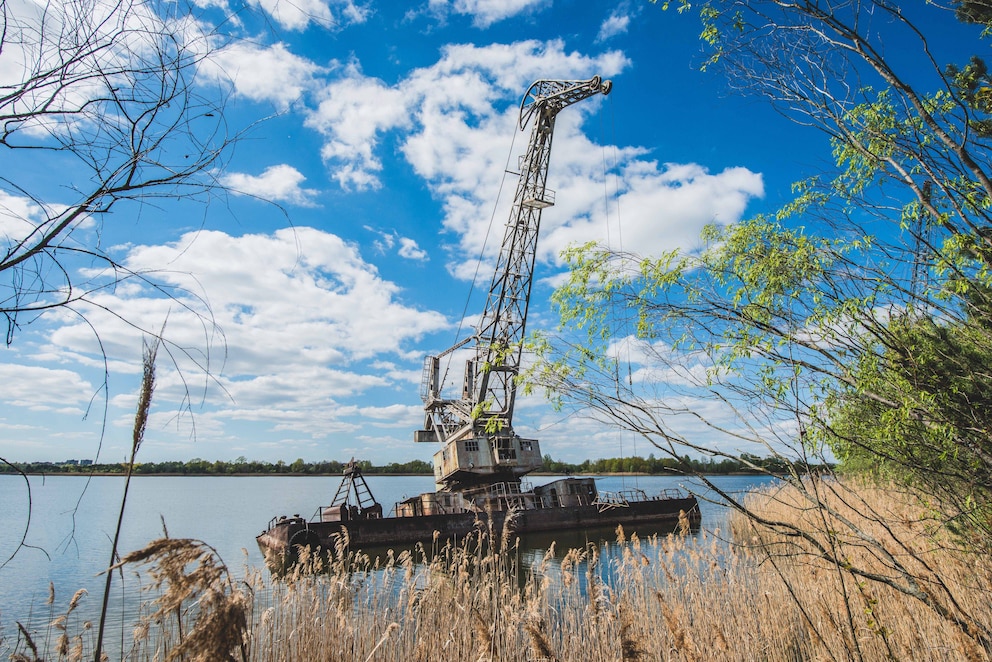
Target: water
x: 72, y: 520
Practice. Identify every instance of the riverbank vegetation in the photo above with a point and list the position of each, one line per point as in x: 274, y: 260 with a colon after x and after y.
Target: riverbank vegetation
x: 199, y: 467
x: 243, y: 467
x: 744, y: 594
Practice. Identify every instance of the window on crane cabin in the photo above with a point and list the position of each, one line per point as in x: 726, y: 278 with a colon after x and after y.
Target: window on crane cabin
x: 505, y: 449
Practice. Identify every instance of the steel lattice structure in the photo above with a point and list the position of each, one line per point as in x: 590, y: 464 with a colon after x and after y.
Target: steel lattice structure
x: 481, y: 420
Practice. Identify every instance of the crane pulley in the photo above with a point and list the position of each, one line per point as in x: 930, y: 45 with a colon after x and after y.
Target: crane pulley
x: 479, y: 445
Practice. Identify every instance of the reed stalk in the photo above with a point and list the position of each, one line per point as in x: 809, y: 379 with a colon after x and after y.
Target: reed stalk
x: 140, y: 423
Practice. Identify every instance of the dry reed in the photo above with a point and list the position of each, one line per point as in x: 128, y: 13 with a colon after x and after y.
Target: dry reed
x: 760, y: 596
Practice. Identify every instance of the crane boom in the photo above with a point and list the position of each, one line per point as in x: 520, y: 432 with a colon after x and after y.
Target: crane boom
x: 479, y: 445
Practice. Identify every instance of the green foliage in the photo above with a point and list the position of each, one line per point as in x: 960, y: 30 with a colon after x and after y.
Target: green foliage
x: 755, y: 302
x: 974, y: 11
x: 683, y: 5
x: 856, y: 318
x: 974, y: 87
x: 928, y: 421
x: 748, y: 464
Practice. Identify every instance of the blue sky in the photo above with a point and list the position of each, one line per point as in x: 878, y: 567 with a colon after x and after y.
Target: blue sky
x: 360, y: 200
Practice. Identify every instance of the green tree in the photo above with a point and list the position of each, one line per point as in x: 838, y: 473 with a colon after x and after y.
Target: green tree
x: 931, y: 422
x: 850, y: 318
x: 197, y: 466
x: 974, y: 11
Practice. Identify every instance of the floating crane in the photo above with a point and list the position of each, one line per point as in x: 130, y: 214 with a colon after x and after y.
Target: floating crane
x: 479, y: 446
x: 478, y: 469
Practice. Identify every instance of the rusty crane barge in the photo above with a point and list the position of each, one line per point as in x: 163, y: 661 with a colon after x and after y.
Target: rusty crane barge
x: 481, y: 462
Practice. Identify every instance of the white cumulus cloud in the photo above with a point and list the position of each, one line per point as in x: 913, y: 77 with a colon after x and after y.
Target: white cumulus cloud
x: 270, y: 73
x: 23, y: 221
x: 454, y: 121
x: 450, y: 115
x: 278, y: 183
x: 299, y: 14
x: 617, y: 23
x: 286, y: 325
x: 486, y: 12
x: 44, y: 389
x: 351, y: 114
x: 410, y: 250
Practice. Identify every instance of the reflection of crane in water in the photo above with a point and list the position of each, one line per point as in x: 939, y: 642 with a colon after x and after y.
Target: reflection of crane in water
x: 479, y: 446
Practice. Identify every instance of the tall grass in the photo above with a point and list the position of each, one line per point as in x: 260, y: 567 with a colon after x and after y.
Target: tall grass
x: 679, y: 597
x: 907, y: 588
x: 137, y: 437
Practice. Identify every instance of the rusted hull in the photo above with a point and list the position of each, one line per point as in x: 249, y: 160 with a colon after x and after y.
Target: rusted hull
x: 278, y: 543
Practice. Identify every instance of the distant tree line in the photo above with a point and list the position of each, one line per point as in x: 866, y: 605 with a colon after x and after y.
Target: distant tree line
x: 746, y: 463
x: 242, y: 466
x: 200, y: 467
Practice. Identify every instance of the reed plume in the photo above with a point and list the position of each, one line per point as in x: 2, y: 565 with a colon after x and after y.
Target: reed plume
x: 138, y: 434
x: 194, y: 584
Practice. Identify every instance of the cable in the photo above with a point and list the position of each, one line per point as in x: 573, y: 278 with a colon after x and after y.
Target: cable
x: 621, y: 327
x: 482, y: 252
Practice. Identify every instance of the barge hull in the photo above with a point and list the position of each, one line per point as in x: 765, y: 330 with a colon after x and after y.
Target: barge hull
x: 280, y: 539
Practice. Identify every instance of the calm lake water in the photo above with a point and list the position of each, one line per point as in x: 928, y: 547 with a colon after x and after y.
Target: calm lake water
x: 70, y: 524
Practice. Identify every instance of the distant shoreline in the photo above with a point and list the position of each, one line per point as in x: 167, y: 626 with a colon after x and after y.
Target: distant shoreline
x: 746, y: 465
x: 338, y: 475
x: 192, y: 475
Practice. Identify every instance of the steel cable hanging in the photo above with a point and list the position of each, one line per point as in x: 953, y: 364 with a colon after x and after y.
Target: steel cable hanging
x: 482, y: 251
x: 620, y: 325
